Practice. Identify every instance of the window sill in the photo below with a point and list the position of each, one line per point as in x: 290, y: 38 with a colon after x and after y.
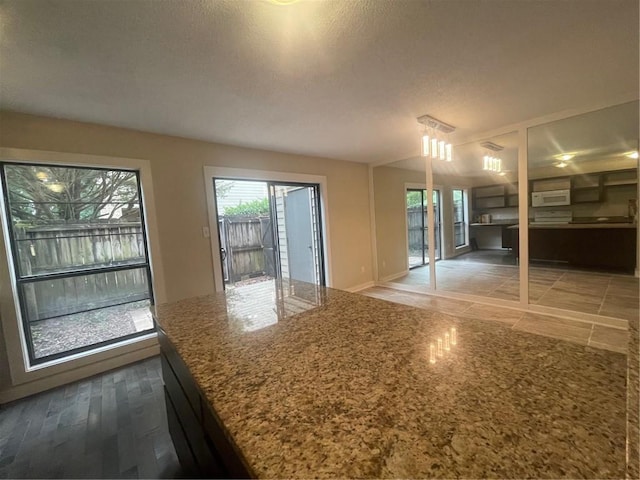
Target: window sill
x: 89, y: 353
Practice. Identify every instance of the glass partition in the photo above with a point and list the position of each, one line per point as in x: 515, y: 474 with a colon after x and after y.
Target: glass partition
x: 479, y: 192
x: 475, y: 217
x: 582, y: 225
x: 583, y: 195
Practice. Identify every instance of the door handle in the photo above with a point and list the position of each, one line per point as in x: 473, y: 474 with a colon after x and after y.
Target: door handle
x: 223, y: 253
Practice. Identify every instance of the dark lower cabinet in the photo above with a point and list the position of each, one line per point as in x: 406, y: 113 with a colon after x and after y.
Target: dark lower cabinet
x: 506, y: 237
x: 606, y: 248
x: 199, y: 438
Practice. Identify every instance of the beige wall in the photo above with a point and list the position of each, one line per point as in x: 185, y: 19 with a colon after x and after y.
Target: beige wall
x: 177, y: 168
x: 181, y: 209
x: 389, y: 203
x: 389, y: 186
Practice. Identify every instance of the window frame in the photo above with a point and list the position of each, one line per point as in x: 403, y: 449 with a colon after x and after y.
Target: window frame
x: 20, y: 379
x: 18, y: 281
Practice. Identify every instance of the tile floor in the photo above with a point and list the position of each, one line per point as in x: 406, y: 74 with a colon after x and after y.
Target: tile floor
x: 596, y: 336
x: 594, y: 293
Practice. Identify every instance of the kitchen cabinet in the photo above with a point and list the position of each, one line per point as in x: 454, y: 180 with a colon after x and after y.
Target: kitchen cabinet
x: 607, y: 246
x: 507, y: 241
x: 550, y: 184
x: 495, y: 196
x: 198, y: 436
x: 586, y: 188
x: 511, y: 195
x: 620, y: 178
x: 491, y: 196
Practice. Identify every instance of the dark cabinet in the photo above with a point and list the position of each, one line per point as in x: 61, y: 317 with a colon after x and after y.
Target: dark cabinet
x: 507, y: 241
x: 608, y: 248
x: 495, y: 196
x: 586, y: 188
x: 492, y: 196
x: 202, y: 447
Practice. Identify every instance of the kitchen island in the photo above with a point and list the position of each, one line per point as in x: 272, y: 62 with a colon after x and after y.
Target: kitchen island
x: 610, y: 246
x: 299, y: 381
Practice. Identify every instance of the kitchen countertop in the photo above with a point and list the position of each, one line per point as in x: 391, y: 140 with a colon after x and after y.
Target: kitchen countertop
x: 315, y: 382
x: 572, y: 225
x: 495, y: 223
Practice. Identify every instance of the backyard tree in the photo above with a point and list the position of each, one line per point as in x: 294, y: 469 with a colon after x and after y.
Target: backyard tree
x: 254, y: 207
x: 414, y: 198
x: 41, y: 194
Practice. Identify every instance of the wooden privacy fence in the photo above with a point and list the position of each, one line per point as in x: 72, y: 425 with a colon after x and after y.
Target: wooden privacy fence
x: 248, y: 245
x: 61, y: 248
x: 415, y: 227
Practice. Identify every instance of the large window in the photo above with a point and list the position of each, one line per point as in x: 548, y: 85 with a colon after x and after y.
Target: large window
x: 459, y: 217
x: 80, y: 256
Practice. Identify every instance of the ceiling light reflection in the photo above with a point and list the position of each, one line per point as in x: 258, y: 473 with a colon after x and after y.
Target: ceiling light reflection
x: 443, y: 345
x: 283, y: 2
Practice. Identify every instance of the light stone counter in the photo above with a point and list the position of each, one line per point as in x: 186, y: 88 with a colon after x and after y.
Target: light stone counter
x: 574, y: 226
x: 324, y: 383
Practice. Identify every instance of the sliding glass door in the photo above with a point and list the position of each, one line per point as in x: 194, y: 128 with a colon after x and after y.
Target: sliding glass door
x: 296, y: 215
x: 269, y: 230
x: 417, y: 226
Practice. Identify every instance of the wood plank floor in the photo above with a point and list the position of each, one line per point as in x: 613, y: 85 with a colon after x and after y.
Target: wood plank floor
x: 112, y: 425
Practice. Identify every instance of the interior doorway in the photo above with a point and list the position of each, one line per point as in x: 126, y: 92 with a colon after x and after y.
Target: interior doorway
x: 269, y: 229
x: 417, y: 226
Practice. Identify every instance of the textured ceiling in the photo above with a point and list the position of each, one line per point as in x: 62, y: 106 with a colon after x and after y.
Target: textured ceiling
x: 596, y: 136
x: 338, y: 79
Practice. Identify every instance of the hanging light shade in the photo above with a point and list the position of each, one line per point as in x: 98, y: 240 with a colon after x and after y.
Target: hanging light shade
x: 434, y: 142
x: 434, y: 148
x: 449, y: 152
x: 425, y: 145
x: 489, y: 162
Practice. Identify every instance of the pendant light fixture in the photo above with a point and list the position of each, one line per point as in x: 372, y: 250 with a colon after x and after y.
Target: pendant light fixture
x: 435, y: 143
x: 490, y: 162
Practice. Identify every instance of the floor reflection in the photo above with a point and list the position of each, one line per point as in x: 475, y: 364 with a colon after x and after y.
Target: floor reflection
x: 488, y: 273
x: 259, y: 305
x: 584, y: 333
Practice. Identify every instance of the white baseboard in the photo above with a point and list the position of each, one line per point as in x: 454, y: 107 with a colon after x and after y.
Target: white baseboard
x: 362, y: 286
x: 31, y: 388
x: 390, y: 278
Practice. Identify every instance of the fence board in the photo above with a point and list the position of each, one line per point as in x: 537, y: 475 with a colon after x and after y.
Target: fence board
x: 414, y: 223
x: 246, y: 252
x: 71, y: 247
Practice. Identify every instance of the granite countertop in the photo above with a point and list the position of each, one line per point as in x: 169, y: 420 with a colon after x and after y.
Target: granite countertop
x: 495, y: 223
x: 315, y: 382
x: 574, y: 225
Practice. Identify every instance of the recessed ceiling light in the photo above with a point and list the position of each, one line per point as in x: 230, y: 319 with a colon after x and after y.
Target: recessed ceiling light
x: 565, y: 157
x: 561, y: 164
x: 633, y: 155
